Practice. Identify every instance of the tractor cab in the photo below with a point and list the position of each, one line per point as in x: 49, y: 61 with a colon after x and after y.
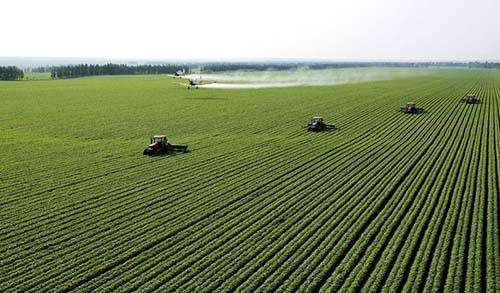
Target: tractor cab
x: 317, y: 119
x: 159, y: 139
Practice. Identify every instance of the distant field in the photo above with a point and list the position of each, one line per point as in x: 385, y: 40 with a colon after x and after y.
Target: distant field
x: 388, y: 201
x: 37, y: 76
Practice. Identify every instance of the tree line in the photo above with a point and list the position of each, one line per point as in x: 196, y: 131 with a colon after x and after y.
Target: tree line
x: 277, y: 66
x: 262, y: 66
x: 71, y: 71
x: 11, y: 73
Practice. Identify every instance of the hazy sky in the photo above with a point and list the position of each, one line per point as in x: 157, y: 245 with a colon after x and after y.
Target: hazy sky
x: 225, y: 29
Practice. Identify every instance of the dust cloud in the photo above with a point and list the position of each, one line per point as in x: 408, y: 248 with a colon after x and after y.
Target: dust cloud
x: 302, y: 77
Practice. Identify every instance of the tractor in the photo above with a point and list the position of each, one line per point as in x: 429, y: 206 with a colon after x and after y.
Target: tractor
x: 159, y: 145
x: 470, y: 99
x: 411, y: 108
x: 318, y: 124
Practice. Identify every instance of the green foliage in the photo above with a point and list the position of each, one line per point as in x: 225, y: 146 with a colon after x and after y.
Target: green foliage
x: 10, y: 73
x: 386, y: 202
x: 72, y: 71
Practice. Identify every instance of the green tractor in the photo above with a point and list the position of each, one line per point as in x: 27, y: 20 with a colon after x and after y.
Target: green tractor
x: 159, y: 145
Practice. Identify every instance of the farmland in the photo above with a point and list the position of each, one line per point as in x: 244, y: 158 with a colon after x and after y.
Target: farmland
x: 386, y: 202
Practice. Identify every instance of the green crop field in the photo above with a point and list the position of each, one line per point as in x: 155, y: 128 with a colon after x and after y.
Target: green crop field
x: 387, y: 201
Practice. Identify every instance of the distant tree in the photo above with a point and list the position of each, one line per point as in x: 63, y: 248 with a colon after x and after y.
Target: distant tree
x: 11, y: 73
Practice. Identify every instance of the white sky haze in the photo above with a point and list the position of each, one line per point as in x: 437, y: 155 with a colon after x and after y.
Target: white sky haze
x: 223, y: 29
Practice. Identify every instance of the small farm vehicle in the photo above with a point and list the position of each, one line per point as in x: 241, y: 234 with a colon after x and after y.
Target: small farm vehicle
x: 411, y: 108
x: 180, y: 73
x: 194, y: 83
x: 159, y: 145
x: 318, y: 124
x: 470, y: 99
